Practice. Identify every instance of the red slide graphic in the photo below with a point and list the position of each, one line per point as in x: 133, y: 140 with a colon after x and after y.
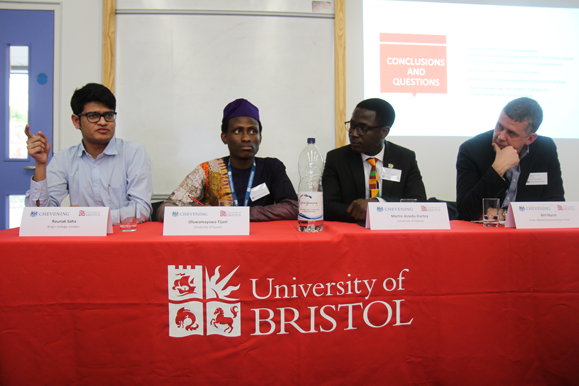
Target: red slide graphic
x: 413, y: 64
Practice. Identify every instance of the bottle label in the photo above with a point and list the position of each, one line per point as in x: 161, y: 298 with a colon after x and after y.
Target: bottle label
x: 311, y: 206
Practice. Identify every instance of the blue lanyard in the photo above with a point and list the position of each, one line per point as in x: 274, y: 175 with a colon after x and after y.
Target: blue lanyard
x: 249, y: 184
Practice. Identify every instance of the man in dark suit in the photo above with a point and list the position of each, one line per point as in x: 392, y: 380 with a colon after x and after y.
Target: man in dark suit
x: 351, y: 181
x: 512, y: 162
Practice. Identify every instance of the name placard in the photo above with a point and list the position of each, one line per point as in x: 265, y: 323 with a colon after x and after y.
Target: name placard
x: 414, y: 215
x: 66, y: 221
x: 206, y: 221
x: 548, y: 214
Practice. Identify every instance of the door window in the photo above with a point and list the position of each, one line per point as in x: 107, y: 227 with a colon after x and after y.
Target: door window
x: 16, y: 207
x: 18, y: 101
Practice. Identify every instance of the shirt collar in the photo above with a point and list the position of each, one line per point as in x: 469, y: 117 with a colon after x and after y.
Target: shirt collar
x: 379, y: 156
x: 111, y: 148
x: 524, y: 152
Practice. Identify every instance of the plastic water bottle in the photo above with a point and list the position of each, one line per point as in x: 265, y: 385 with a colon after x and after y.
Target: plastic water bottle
x: 310, y: 196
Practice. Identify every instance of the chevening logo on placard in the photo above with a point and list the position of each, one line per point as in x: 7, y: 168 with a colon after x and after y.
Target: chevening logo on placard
x: 533, y: 208
x: 198, y: 309
x: 33, y: 214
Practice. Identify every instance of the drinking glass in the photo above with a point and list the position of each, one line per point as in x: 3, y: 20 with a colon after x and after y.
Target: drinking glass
x: 128, y: 216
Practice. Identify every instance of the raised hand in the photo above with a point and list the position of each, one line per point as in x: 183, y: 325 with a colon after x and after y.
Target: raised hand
x: 505, y: 158
x: 38, y: 146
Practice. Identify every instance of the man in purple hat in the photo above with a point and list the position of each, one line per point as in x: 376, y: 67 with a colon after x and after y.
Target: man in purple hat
x: 260, y: 183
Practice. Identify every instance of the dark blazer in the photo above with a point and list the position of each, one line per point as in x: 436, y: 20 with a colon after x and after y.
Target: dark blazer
x: 476, y: 179
x: 343, y: 179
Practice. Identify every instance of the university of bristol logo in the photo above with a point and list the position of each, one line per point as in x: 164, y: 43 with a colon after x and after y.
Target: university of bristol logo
x: 191, y: 310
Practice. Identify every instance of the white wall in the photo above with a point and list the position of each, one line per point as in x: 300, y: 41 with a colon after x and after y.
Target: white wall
x: 80, y: 59
x: 176, y: 72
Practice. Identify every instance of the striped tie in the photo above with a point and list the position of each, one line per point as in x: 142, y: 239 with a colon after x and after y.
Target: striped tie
x: 373, y: 180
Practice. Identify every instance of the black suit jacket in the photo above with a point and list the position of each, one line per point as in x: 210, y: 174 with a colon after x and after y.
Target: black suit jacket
x: 343, y: 179
x: 476, y: 179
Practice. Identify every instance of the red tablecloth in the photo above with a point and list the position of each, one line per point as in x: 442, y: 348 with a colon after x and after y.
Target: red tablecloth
x: 466, y: 306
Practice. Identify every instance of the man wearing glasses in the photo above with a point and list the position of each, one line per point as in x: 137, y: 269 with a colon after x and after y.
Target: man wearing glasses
x: 370, y: 168
x: 100, y: 171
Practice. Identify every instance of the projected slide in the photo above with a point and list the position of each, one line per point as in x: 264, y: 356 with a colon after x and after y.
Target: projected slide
x: 448, y: 69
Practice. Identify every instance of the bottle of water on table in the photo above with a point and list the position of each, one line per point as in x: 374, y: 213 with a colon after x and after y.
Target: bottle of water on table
x: 310, y: 196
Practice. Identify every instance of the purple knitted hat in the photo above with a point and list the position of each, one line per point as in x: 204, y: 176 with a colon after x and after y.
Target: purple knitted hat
x: 240, y: 108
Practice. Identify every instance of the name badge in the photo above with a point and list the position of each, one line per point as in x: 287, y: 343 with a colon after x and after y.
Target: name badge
x: 258, y: 192
x: 414, y: 215
x: 206, y: 221
x: 548, y: 214
x: 66, y: 221
x: 538, y: 179
x: 391, y: 174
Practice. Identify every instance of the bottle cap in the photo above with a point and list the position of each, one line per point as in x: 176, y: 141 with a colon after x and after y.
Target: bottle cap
x: 311, y: 140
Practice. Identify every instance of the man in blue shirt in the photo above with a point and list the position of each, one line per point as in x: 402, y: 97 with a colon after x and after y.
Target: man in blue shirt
x: 100, y: 171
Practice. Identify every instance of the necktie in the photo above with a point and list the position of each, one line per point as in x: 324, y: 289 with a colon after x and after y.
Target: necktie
x: 373, y: 180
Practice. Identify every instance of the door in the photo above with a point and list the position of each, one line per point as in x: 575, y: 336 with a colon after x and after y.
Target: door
x: 26, y: 95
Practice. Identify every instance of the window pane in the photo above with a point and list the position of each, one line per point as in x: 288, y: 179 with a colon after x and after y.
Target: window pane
x: 18, y: 100
x: 16, y: 208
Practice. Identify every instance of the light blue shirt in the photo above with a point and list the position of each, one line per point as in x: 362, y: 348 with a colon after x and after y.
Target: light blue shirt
x: 513, y: 175
x: 122, y: 172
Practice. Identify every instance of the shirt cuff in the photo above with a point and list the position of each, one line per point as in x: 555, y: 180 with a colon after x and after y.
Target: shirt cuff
x: 38, y: 190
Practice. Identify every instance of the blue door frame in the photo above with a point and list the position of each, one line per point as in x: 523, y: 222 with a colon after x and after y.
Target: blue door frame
x: 34, y: 29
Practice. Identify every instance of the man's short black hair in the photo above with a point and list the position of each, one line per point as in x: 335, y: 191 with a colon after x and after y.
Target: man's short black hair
x: 92, y: 92
x: 384, y: 111
x: 525, y: 110
x: 225, y: 125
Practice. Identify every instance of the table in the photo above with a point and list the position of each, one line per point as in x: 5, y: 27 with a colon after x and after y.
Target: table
x: 466, y: 306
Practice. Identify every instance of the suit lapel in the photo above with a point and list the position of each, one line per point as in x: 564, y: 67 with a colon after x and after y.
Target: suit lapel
x: 354, y: 162
x: 388, y: 159
x: 526, y: 166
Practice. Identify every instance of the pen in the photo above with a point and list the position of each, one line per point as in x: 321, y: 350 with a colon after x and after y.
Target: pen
x: 196, y: 200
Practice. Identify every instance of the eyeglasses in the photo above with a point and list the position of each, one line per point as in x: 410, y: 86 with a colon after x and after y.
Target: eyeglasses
x: 360, y: 129
x: 93, y: 117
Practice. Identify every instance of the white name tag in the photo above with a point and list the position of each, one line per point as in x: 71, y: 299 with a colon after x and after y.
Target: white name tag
x: 391, y: 174
x: 532, y: 215
x: 394, y: 215
x: 66, y: 221
x: 538, y: 179
x: 258, y: 192
x: 206, y: 221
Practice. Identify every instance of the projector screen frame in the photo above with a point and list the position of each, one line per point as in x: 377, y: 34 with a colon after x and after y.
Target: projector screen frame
x: 437, y: 155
